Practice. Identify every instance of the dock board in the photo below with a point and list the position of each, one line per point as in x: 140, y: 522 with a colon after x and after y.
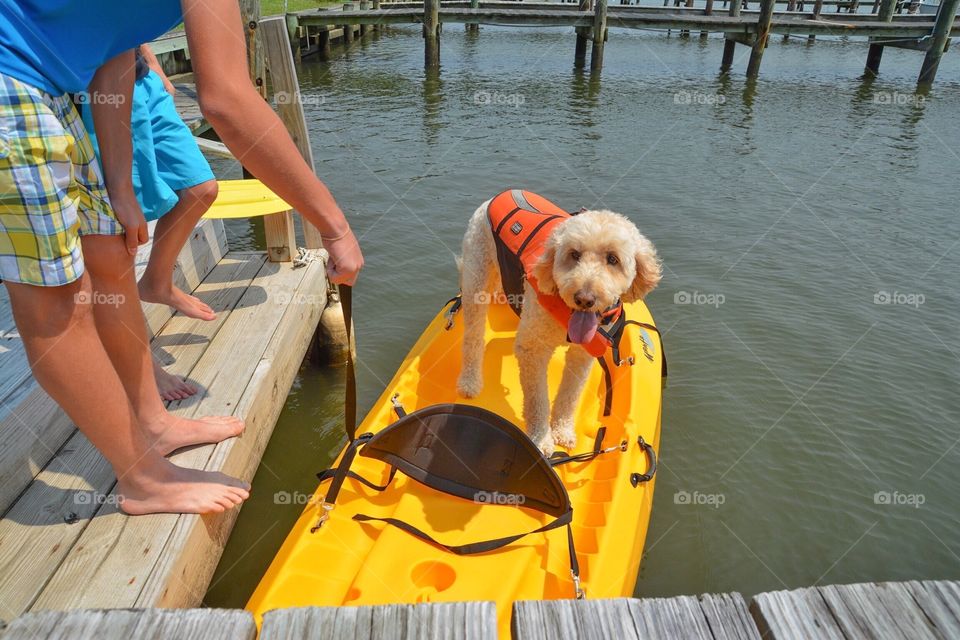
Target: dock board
x: 63, y: 542
x: 196, y: 624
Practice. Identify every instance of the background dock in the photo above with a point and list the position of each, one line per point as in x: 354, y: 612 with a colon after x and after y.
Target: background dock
x: 891, y: 610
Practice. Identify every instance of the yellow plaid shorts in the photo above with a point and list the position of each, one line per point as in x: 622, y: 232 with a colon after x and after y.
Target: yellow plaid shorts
x: 51, y: 187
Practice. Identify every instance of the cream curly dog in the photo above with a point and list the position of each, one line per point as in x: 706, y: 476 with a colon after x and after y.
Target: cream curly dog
x: 590, y: 260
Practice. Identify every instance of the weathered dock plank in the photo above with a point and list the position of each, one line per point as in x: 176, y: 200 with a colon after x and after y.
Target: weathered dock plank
x: 451, y: 620
x: 707, y: 616
x: 155, y: 624
x: 868, y: 610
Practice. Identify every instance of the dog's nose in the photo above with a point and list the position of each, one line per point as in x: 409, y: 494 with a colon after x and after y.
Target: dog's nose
x: 585, y: 300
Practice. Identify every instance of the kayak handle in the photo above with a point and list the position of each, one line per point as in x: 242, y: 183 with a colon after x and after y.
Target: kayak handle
x: 637, y: 478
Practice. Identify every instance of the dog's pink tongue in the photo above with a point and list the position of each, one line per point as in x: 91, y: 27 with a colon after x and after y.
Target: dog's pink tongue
x: 582, y: 326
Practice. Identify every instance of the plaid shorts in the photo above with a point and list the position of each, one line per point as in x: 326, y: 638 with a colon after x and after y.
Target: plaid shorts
x: 51, y: 187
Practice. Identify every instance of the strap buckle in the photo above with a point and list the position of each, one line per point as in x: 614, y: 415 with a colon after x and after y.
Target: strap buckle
x: 326, y: 507
x: 580, y: 593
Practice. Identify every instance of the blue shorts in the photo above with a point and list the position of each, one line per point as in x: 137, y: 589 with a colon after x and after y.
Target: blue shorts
x: 166, y: 158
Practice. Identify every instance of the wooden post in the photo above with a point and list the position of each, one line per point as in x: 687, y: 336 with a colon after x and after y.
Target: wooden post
x: 364, y: 6
x: 685, y: 33
x: 941, y: 35
x: 347, y: 28
x: 293, y: 33
x: 875, y: 53
x: 580, y: 56
x: 283, y: 74
x: 763, y: 33
x: 599, y: 35
x: 376, y: 7
x: 707, y: 11
x: 250, y: 13
x: 730, y: 45
x: 475, y: 4
x: 323, y: 43
x: 431, y: 33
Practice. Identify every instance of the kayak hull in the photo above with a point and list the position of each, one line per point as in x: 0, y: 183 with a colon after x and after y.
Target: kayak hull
x: 352, y: 563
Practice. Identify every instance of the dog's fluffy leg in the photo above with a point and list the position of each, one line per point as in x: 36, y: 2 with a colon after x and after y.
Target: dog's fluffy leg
x: 576, y: 370
x: 477, y: 270
x: 533, y: 355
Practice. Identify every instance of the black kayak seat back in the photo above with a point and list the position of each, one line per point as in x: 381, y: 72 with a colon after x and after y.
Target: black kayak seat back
x: 469, y: 451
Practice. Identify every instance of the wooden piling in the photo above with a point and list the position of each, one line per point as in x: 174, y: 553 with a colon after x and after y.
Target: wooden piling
x: 474, y: 27
x: 763, y: 34
x: 250, y: 13
x: 348, y: 28
x: 599, y: 34
x: 730, y: 45
x: 431, y: 33
x: 817, y: 9
x: 875, y: 53
x: 283, y: 76
x: 707, y: 11
x: 580, y: 57
x: 364, y: 6
x: 941, y: 35
x: 376, y: 7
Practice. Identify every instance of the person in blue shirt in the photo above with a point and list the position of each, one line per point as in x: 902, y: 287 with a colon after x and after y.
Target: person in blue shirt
x: 70, y: 225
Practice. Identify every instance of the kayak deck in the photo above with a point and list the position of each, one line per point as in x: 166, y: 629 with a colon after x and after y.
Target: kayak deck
x: 351, y: 563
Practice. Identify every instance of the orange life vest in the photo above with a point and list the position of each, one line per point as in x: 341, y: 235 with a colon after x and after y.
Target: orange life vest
x: 521, y: 222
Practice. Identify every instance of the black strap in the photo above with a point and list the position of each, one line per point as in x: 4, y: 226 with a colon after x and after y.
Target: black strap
x: 350, y: 395
x: 470, y: 548
x: 326, y: 474
x: 342, y: 470
x: 563, y: 458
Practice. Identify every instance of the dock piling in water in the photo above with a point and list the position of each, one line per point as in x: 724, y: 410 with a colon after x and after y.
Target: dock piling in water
x: 940, y: 36
x: 580, y: 55
x: 431, y: 33
x: 599, y: 34
x: 761, y: 37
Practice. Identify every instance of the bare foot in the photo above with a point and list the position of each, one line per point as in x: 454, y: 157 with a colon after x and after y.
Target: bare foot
x: 188, y: 305
x: 171, y: 387
x: 168, y: 488
x: 171, y: 432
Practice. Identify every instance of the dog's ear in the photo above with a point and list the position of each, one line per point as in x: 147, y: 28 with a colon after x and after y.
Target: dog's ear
x: 648, y: 270
x: 543, y: 269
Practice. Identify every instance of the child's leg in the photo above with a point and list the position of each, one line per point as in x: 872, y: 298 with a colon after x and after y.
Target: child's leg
x: 68, y: 360
x: 172, y: 232
x: 119, y: 321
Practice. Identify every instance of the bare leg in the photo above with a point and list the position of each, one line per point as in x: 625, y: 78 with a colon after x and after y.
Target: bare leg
x: 533, y: 355
x: 170, y: 386
x: 119, y: 321
x: 576, y: 370
x: 171, y: 234
x: 68, y: 360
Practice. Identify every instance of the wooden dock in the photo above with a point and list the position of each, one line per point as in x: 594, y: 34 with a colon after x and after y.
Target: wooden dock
x: 892, y: 610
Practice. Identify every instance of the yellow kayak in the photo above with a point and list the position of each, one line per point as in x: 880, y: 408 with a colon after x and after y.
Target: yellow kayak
x: 610, y: 487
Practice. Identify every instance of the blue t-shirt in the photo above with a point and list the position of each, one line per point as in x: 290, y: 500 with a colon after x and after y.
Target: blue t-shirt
x: 57, y: 45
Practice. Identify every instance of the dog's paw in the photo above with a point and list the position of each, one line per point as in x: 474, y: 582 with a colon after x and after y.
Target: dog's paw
x: 564, y: 434
x: 544, y: 441
x: 469, y: 385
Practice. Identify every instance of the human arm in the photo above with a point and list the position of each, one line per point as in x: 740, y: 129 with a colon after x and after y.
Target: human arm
x: 110, y: 99
x: 248, y: 126
x: 154, y: 64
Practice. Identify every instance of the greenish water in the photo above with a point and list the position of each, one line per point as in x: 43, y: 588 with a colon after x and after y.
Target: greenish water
x: 808, y: 227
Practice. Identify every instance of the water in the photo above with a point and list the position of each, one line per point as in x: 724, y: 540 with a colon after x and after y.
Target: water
x: 809, y: 430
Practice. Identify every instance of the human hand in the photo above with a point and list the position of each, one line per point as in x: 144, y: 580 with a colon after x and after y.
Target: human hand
x: 130, y: 216
x: 346, y: 259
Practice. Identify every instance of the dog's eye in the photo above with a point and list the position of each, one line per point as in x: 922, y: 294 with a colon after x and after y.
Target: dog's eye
x: 575, y: 256
x: 612, y: 259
